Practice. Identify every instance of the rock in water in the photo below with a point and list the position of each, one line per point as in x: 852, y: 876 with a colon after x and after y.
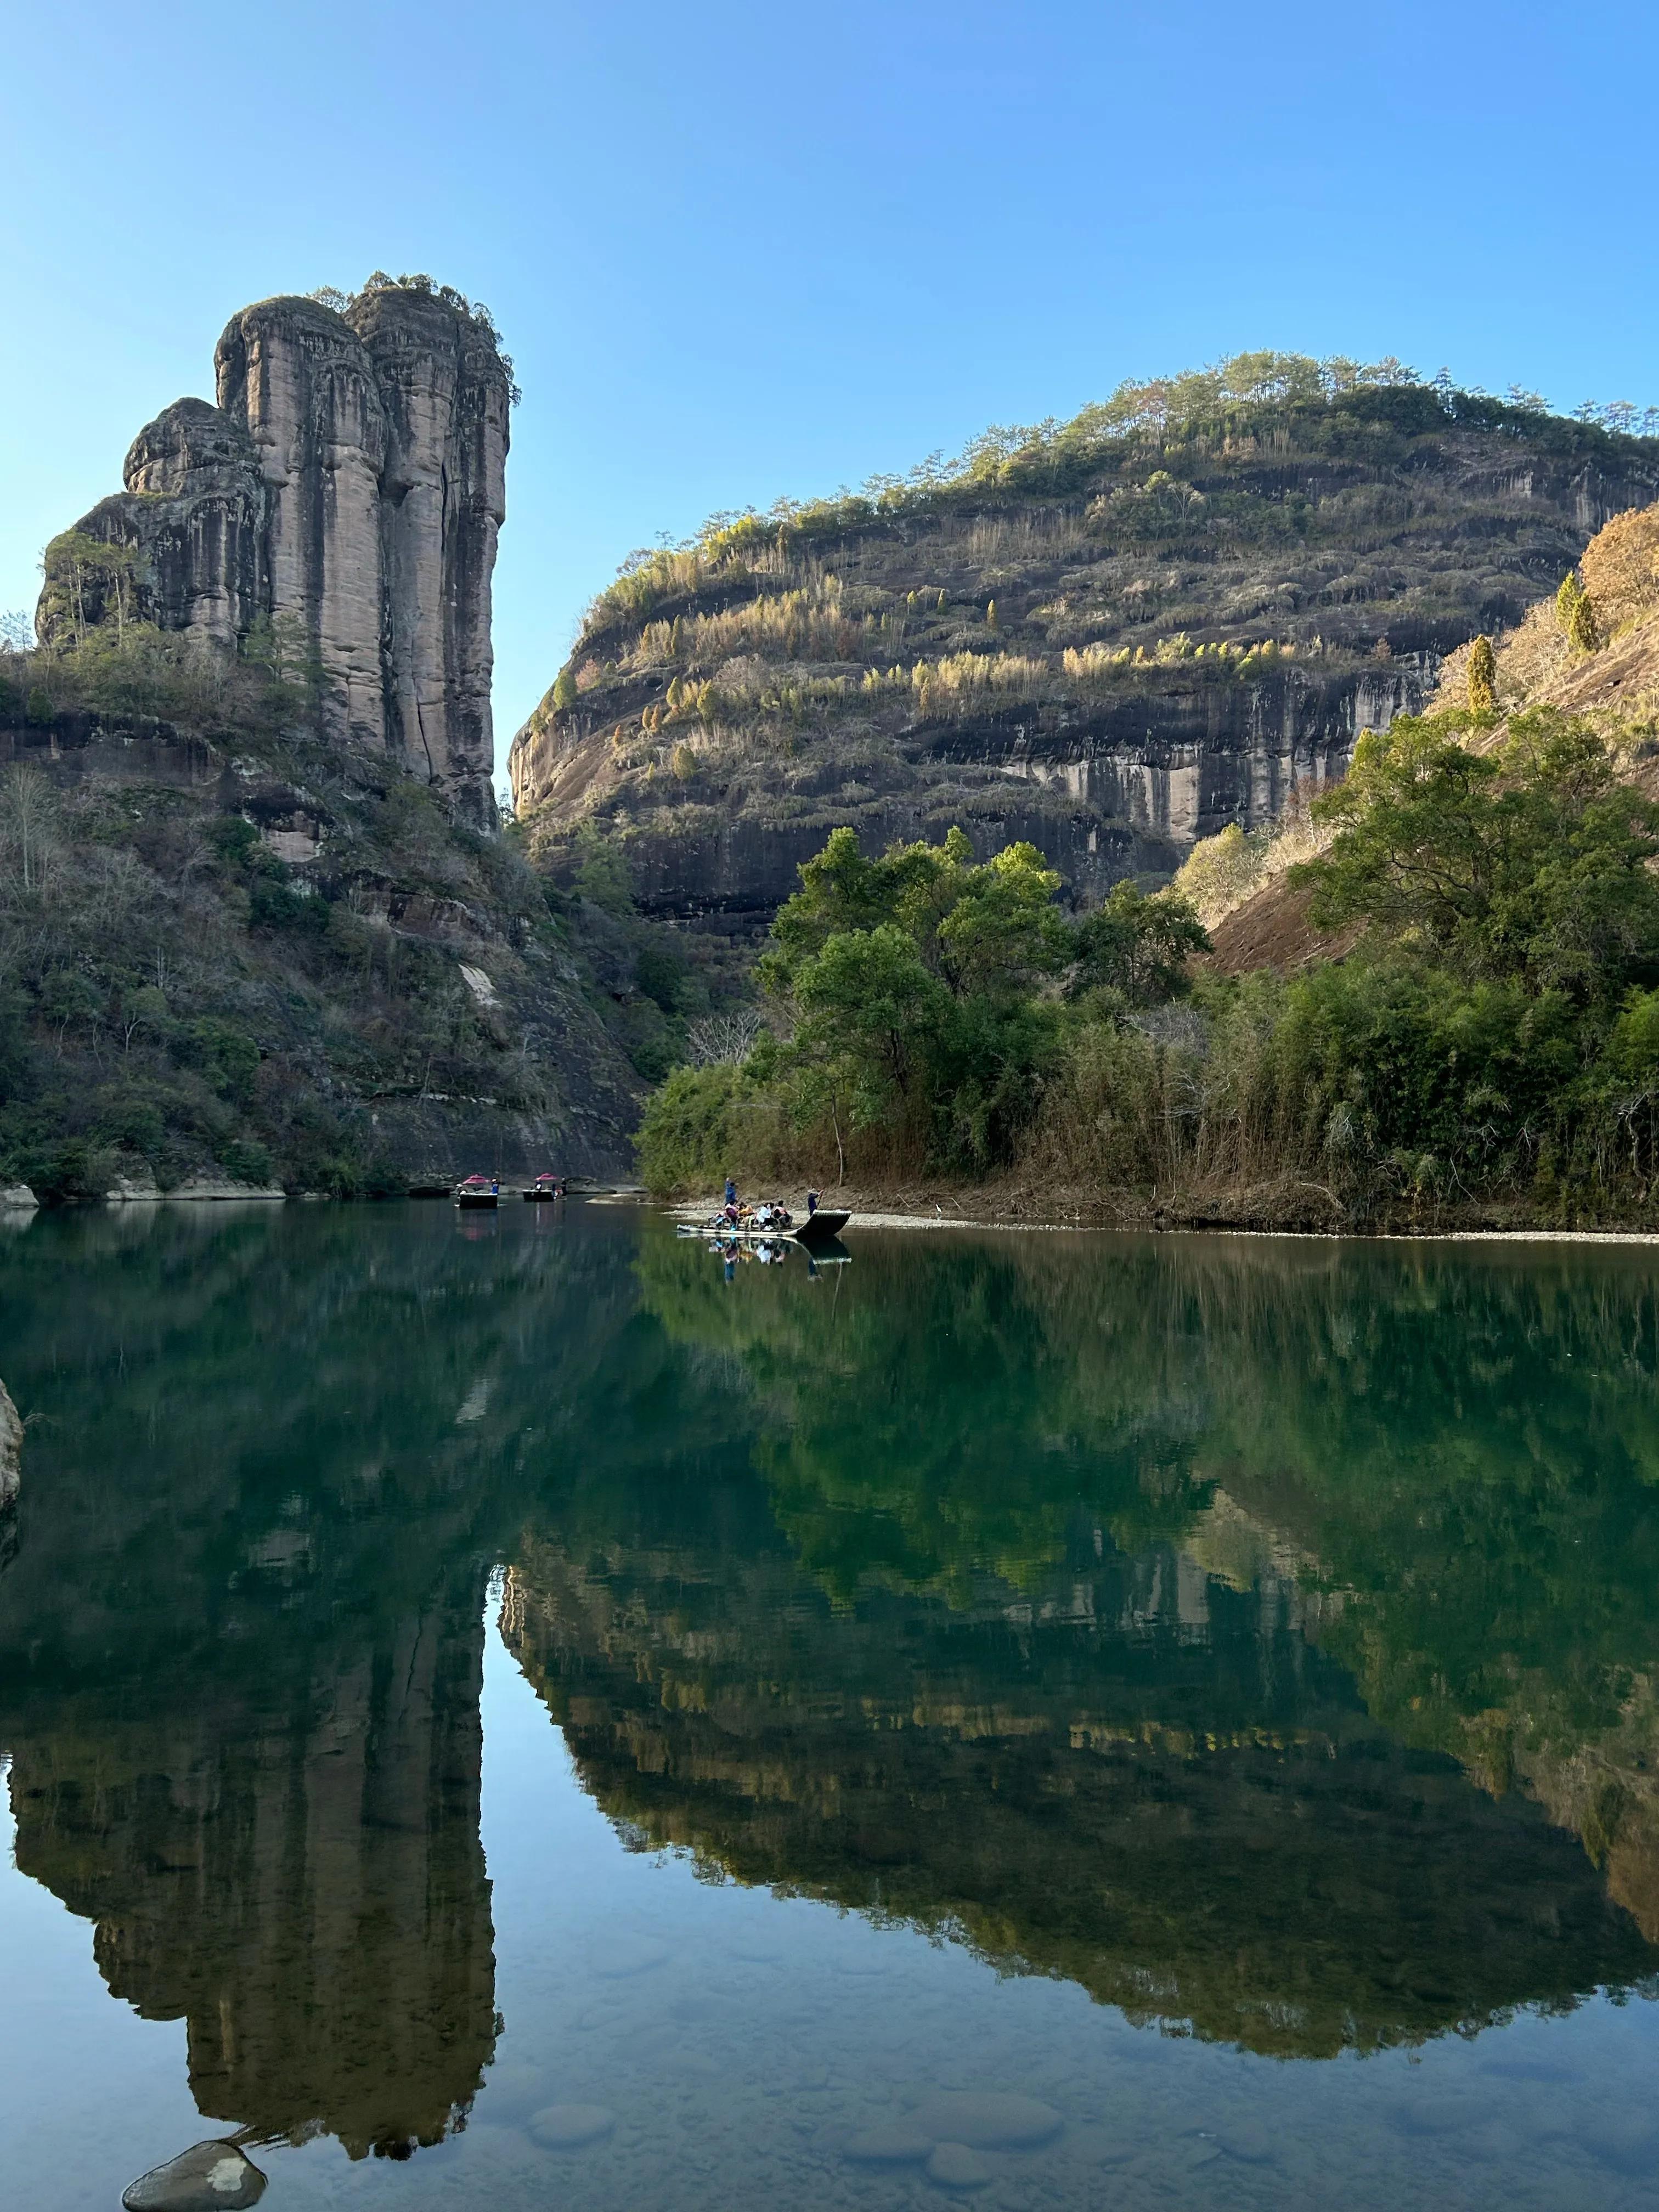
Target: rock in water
x: 998, y: 2120
x: 628, y: 1955
x: 1250, y: 2141
x: 953, y: 2165
x: 563, y: 2127
x: 208, y: 2177
x: 11, y: 1448
x: 899, y: 2142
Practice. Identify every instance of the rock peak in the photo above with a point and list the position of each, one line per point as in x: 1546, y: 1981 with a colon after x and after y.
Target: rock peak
x: 350, y: 482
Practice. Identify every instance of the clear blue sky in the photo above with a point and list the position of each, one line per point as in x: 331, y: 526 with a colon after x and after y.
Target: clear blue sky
x: 739, y: 250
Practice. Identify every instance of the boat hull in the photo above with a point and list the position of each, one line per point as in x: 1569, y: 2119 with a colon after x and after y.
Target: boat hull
x: 822, y: 1227
x: 476, y: 1201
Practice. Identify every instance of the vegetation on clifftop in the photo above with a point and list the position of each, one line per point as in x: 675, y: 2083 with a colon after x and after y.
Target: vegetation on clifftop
x: 228, y: 948
x: 1097, y: 588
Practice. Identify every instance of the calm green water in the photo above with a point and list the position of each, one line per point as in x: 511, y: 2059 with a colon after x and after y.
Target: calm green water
x: 1178, y: 1714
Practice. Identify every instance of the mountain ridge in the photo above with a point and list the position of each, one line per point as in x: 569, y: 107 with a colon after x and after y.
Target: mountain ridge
x: 1111, y: 636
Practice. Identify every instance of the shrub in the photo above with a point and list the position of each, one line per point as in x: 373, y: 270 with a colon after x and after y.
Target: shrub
x: 245, y: 1159
x: 689, y: 1136
x: 1482, y: 678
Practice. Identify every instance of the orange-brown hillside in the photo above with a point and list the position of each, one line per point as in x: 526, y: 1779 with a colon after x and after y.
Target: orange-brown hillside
x: 1256, y: 920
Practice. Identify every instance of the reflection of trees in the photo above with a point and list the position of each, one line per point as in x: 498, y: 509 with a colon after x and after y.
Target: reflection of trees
x: 1016, y: 1587
x: 1464, y: 1445
x: 1450, y: 1453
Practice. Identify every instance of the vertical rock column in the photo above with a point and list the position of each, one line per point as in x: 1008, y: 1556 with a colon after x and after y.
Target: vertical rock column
x: 475, y: 509
x: 443, y: 486
x: 297, y: 374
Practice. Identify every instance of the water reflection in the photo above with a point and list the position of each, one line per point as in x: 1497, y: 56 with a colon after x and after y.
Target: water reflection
x: 1260, y: 1638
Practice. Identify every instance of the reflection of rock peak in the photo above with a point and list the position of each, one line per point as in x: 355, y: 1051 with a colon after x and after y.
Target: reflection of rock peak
x: 297, y: 1875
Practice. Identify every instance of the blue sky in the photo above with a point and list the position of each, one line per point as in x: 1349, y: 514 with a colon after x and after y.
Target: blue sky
x: 738, y: 250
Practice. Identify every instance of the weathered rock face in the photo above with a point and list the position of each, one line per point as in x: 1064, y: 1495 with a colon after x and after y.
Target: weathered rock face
x: 296, y: 374
x: 11, y: 1450
x: 348, y: 489
x: 442, y: 501
x: 1120, y: 646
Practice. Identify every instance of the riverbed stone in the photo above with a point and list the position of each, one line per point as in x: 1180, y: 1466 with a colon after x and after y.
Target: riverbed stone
x: 1248, y: 2141
x: 208, y: 2177
x: 897, y: 2142
x: 1625, y: 2141
x: 1436, y: 2115
x: 988, y: 2120
x: 566, y: 2127
x: 625, y: 1955
x: 955, y: 2166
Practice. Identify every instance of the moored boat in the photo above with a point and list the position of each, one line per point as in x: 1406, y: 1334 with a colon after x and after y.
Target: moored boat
x: 824, y: 1227
x: 544, y: 1187
x: 766, y: 1224
x: 478, y: 1191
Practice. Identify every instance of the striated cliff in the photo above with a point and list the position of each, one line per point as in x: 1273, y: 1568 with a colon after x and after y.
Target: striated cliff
x: 339, y: 506
x: 1114, y: 636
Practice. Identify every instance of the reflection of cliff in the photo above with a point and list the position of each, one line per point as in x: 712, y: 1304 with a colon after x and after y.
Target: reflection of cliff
x: 1450, y: 1453
x: 240, y: 1641
x: 294, y: 1869
x: 1135, y: 1777
x: 1110, y: 1605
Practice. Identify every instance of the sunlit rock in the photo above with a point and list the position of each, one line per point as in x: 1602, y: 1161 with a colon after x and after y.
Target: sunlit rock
x: 208, y: 2177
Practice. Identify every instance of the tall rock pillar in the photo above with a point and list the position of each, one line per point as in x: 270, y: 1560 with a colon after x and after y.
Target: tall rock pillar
x: 443, y: 487
x: 297, y: 374
x: 349, y: 486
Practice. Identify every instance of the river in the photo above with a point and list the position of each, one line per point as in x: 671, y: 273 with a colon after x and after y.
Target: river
x: 510, y: 1712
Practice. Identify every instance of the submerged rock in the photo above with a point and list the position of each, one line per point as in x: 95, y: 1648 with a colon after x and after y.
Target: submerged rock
x: 1248, y: 2141
x: 897, y: 2143
x: 563, y: 2127
x: 208, y: 2177
x: 998, y: 2120
x: 626, y: 1955
x: 954, y: 2166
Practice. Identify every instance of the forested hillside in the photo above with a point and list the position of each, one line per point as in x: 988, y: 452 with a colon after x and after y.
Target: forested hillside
x: 1112, y: 636
x: 231, y: 949
x: 1443, y: 1007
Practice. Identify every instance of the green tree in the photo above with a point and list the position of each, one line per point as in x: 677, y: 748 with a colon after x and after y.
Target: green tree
x: 1138, y: 947
x: 564, y: 691
x: 1482, y: 678
x: 1575, y: 611
x: 1532, y: 862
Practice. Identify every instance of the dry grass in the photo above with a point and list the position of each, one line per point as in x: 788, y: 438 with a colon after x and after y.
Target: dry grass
x: 1620, y: 569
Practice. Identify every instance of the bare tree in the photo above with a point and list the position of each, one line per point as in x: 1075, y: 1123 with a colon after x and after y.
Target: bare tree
x: 28, y: 814
x: 723, y: 1040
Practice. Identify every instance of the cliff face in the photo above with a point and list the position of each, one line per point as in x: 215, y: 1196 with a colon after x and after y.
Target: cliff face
x: 386, y: 994
x: 347, y: 489
x: 1113, y: 643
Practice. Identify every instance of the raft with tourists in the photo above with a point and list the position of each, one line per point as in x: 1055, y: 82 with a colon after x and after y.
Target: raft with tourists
x: 770, y: 1220
x: 478, y: 1191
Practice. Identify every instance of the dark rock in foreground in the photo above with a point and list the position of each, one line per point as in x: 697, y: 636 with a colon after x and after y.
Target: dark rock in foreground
x: 208, y: 2177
